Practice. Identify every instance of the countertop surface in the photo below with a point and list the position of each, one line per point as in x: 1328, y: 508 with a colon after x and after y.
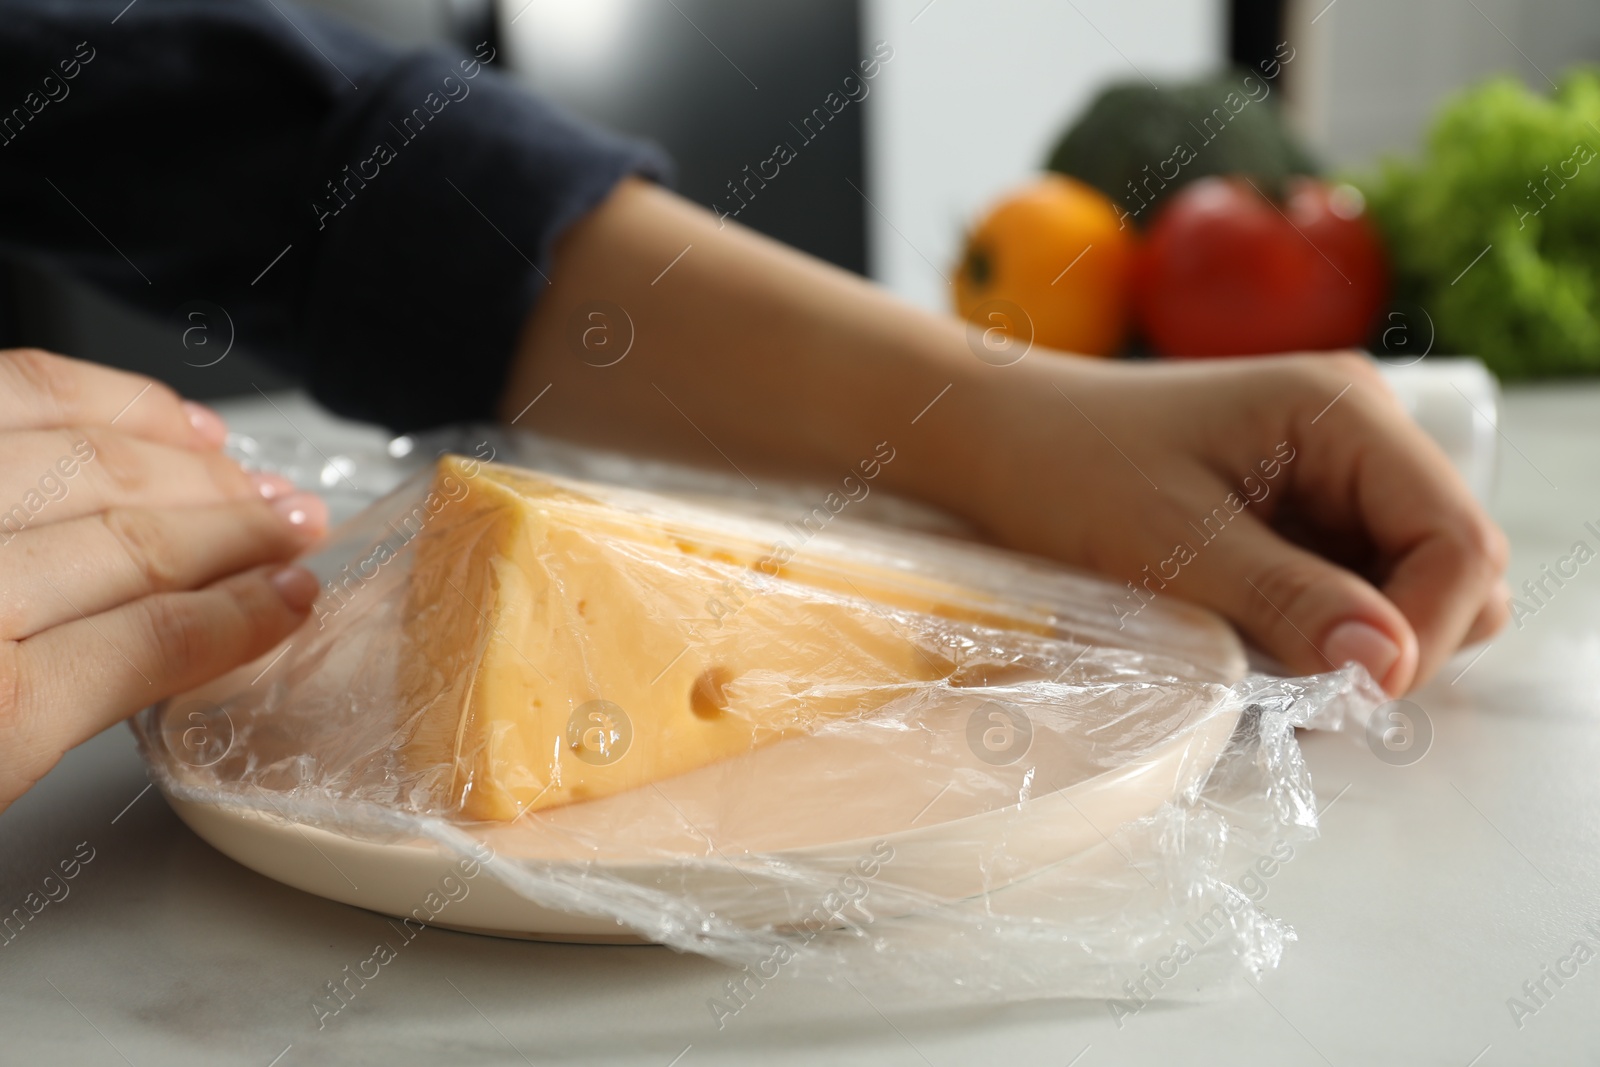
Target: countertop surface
x: 1436, y: 891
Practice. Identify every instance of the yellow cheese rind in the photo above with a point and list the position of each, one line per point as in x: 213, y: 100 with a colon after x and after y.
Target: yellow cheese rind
x: 536, y: 611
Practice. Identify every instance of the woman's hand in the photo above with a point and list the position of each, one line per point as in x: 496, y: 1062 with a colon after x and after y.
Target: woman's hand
x: 1292, y: 495
x: 136, y: 560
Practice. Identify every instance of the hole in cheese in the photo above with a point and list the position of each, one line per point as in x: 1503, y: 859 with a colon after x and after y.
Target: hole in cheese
x: 708, y: 697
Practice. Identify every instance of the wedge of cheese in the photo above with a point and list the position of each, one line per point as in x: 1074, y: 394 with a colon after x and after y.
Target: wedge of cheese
x: 565, y: 642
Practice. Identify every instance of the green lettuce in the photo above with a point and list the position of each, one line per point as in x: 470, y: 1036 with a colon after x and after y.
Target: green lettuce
x: 1517, y: 173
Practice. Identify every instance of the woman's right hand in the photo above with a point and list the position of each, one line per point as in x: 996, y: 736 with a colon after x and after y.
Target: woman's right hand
x: 136, y: 560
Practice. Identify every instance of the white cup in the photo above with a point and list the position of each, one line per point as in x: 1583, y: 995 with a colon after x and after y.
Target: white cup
x: 1457, y: 402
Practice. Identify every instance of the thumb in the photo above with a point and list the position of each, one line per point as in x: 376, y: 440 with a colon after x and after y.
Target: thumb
x: 1308, y: 613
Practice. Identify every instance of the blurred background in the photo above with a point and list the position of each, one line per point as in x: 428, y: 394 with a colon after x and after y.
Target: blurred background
x: 970, y: 98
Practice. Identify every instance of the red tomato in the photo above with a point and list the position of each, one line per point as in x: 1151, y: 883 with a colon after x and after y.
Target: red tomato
x: 1224, y: 271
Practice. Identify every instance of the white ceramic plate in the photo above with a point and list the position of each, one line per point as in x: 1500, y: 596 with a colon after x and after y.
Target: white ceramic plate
x: 726, y: 833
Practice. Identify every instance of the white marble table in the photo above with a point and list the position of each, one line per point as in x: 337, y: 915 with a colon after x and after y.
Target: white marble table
x: 1437, y: 890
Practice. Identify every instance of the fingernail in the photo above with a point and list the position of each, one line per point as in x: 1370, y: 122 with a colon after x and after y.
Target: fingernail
x: 302, y: 511
x: 271, y: 486
x: 297, y: 586
x: 207, y: 423
x: 1365, y: 644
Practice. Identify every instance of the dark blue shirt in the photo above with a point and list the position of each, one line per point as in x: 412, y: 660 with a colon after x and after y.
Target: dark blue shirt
x: 377, y: 222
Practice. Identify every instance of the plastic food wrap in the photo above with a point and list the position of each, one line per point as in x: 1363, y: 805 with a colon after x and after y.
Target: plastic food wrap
x: 754, y: 727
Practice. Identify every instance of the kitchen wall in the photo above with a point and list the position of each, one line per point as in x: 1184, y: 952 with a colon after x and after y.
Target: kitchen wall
x: 1372, y: 71
x: 976, y: 94
x: 721, y: 84
x: 412, y: 22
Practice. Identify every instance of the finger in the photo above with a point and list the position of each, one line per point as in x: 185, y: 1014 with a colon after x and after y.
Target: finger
x: 1310, y: 614
x: 1492, y: 617
x: 76, y: 679
x: 41, y: 390
x: 51, y: 476
x: 1364, y: 458
x: 93, y: 564
x: 1441, y: 586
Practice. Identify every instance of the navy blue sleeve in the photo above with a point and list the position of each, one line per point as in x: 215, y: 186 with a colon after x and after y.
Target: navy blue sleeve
x: 379, y: 223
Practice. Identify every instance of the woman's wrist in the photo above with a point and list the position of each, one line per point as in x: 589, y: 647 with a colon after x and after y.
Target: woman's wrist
x: 971, y: 450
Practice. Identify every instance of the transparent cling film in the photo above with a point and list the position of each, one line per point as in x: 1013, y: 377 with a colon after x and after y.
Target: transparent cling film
x: 638, y: 708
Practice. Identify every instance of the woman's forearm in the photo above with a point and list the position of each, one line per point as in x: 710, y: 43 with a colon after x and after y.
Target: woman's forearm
x: 745, y: 355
